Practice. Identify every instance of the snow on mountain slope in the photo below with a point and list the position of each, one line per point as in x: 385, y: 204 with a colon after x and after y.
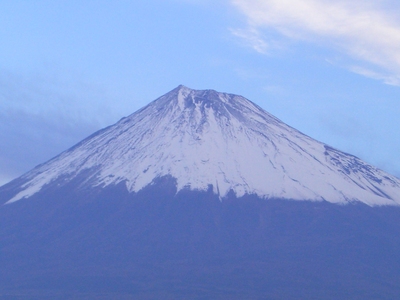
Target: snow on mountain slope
x: 205, y: 138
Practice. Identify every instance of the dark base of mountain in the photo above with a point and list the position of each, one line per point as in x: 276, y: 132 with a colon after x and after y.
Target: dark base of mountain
x: 108, y: 244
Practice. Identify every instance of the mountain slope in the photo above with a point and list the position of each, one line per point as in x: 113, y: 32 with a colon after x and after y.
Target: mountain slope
x: 206, y: 139
x: 183, y: 200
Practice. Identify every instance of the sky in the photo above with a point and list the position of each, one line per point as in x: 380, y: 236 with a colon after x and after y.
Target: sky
x: 330, y: 69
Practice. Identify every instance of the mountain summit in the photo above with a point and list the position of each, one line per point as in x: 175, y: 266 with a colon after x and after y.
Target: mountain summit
x: 205, y: 139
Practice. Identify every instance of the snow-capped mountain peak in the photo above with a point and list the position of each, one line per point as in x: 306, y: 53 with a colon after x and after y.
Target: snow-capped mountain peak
x: 208, y: 139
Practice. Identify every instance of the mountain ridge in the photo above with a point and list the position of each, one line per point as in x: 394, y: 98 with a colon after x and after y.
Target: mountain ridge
x: 205, y: 138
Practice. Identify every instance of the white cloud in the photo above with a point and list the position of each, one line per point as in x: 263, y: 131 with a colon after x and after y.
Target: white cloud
x: 391, y: 79
x: 367, y: 31
x: 252, y: 37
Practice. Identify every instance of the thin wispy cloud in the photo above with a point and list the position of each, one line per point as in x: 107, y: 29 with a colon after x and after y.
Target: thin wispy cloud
x: 252, y: 36
x: 367, y: 32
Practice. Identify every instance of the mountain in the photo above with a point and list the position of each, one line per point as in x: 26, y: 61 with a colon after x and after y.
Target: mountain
x: 201, y: 195
x: 206, y: 139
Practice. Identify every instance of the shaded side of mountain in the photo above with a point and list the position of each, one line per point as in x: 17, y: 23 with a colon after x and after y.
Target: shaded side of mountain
x: 158, y: 244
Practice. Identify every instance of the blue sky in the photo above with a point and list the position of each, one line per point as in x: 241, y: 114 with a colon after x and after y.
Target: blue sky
x: 328, y: 68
